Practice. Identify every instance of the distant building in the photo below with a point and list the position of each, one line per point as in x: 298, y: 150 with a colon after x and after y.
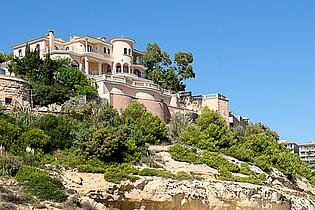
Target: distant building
x: 290, y: 145
x: 307, y: 153
x: 238, y: 121
x: 216, y: 102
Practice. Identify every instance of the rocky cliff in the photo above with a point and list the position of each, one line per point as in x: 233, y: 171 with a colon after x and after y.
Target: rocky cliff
x: 205, y: 191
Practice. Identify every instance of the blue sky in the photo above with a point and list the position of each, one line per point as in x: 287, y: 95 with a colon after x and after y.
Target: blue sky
x: 259, y: 53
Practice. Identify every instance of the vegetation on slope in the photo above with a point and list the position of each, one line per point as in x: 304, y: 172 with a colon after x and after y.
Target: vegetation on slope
x: 53, y: 81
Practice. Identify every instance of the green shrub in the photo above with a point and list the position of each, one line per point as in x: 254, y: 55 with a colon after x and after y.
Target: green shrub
x: 182, y: 175
x: 184, y: 153
x: 155, y: 172
x: 9, y: 164
x: 34, y: 138
x: 245, y: 169
x: 26, y: 173
x: 46, y: 188
x: 120, y: 172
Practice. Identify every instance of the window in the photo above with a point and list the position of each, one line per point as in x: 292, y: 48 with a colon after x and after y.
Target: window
x: 37, y: 48
x: 56, y: 48
x: 137, y: 72
x: 108, y: 51
x: 126, y: 68
x: 75, y: 64
x: 105, y: 50
x: 125, y: 51
x: 118, y: 68
x: 67, y: 48
x: 20, y: 53
x: 8, y: 101
x: 129, y: 51
x: 2, y: 71
x: 108, y: 69
x: 89, y: 48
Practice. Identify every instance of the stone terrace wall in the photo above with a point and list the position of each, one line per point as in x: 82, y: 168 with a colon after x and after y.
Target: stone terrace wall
x: 16, y: 89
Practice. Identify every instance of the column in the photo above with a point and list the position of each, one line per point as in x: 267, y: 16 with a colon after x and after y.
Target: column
x: 80, y: 66
x: 99, y: 68
x: 86, y: 65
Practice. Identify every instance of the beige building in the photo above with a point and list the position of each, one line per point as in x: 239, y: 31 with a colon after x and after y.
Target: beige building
x: 307, y: 153
x: 115, y: 66
x: 216, y: 102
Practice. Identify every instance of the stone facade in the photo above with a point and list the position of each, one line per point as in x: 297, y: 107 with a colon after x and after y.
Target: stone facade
x: 14, y: 92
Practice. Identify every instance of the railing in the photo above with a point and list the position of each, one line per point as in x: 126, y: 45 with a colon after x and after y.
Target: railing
x: 122, y: 79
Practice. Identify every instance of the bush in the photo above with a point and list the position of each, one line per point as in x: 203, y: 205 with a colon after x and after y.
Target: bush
x: 34, y: 138
x: 58, y: 128
x: 182, y: 175
x: 120, y: 172
x: 9, y: 165
x: 155, y: 172
x: 46, y: 188
x: 26, y: 173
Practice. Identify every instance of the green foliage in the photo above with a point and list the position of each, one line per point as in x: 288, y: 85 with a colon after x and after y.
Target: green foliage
x: 9, y: 133
x: 143, y: 125
x: 5, y: 57
x: 159, y: 67
x: 26, y: 173
x: 105, y: 144
x: 34, y: 138
x: 46, y: 188
x: 178, y: 123
x: 58, y: 128
x: 9, y: 164
x: 155, y: 172
x: 53, y: 81
x: 182, y: 175
x: 120, y: 172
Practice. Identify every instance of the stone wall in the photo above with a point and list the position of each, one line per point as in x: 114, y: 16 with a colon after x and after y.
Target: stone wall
x: 14, y: 91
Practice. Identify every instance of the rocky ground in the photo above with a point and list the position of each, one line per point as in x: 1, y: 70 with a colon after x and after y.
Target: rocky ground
x: 91, y: 191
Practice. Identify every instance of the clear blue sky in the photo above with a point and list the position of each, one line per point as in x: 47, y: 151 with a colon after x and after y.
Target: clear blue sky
x: 259, y: 53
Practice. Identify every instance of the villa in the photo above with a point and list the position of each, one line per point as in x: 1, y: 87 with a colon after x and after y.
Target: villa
x: 117, y: 72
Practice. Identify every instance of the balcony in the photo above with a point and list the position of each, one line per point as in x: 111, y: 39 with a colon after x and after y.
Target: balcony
x: 137, y: 84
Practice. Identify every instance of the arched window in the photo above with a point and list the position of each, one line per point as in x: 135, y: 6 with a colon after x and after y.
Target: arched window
x: 67, y: 48
x: 137, y: 72
x: 105, y: 50
x: 75, y: 64
x: 20, y: 53
x: 108, y: 51
x: 109, y: 70
x: 125, y: 51
x: 129, y: 51
x: 118, y: 68
x: 55, y: 48
x: 126, y: 68
x: 89, y: 48
x: 37, y: 48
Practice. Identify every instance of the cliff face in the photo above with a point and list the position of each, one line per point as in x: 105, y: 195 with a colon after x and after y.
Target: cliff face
x: 205, y: 192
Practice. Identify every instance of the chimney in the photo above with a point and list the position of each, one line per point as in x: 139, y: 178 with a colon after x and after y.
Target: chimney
x: 51, y: 37
x: 103, y: 38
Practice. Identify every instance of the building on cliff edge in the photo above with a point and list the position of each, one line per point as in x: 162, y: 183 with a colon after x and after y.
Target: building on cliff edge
x: 118, y: 73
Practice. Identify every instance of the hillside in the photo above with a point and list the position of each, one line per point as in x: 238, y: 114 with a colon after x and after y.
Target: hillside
x: 93, y: 158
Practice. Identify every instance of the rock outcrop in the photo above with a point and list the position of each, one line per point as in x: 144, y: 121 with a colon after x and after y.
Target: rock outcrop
x: 204, y: 192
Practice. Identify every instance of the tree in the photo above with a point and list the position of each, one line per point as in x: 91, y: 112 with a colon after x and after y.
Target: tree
x: 159, y: 67
x: 58, y: 128
x: 146, y: 127
x: 106, y: 143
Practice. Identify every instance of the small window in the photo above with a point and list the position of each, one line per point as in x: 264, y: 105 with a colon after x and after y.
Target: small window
x: 2, y: 71
x: 89, y: 48
x: 129, y: 51
x: 125, y: 51
x: 37, y: 48
x: 67, y: 48
x: 105, y: 50
x: 8, y: 101
x: 108, y: 51
x: 20, y: 53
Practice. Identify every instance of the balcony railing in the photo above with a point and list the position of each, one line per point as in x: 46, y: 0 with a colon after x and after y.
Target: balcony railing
x: 137, y: 84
